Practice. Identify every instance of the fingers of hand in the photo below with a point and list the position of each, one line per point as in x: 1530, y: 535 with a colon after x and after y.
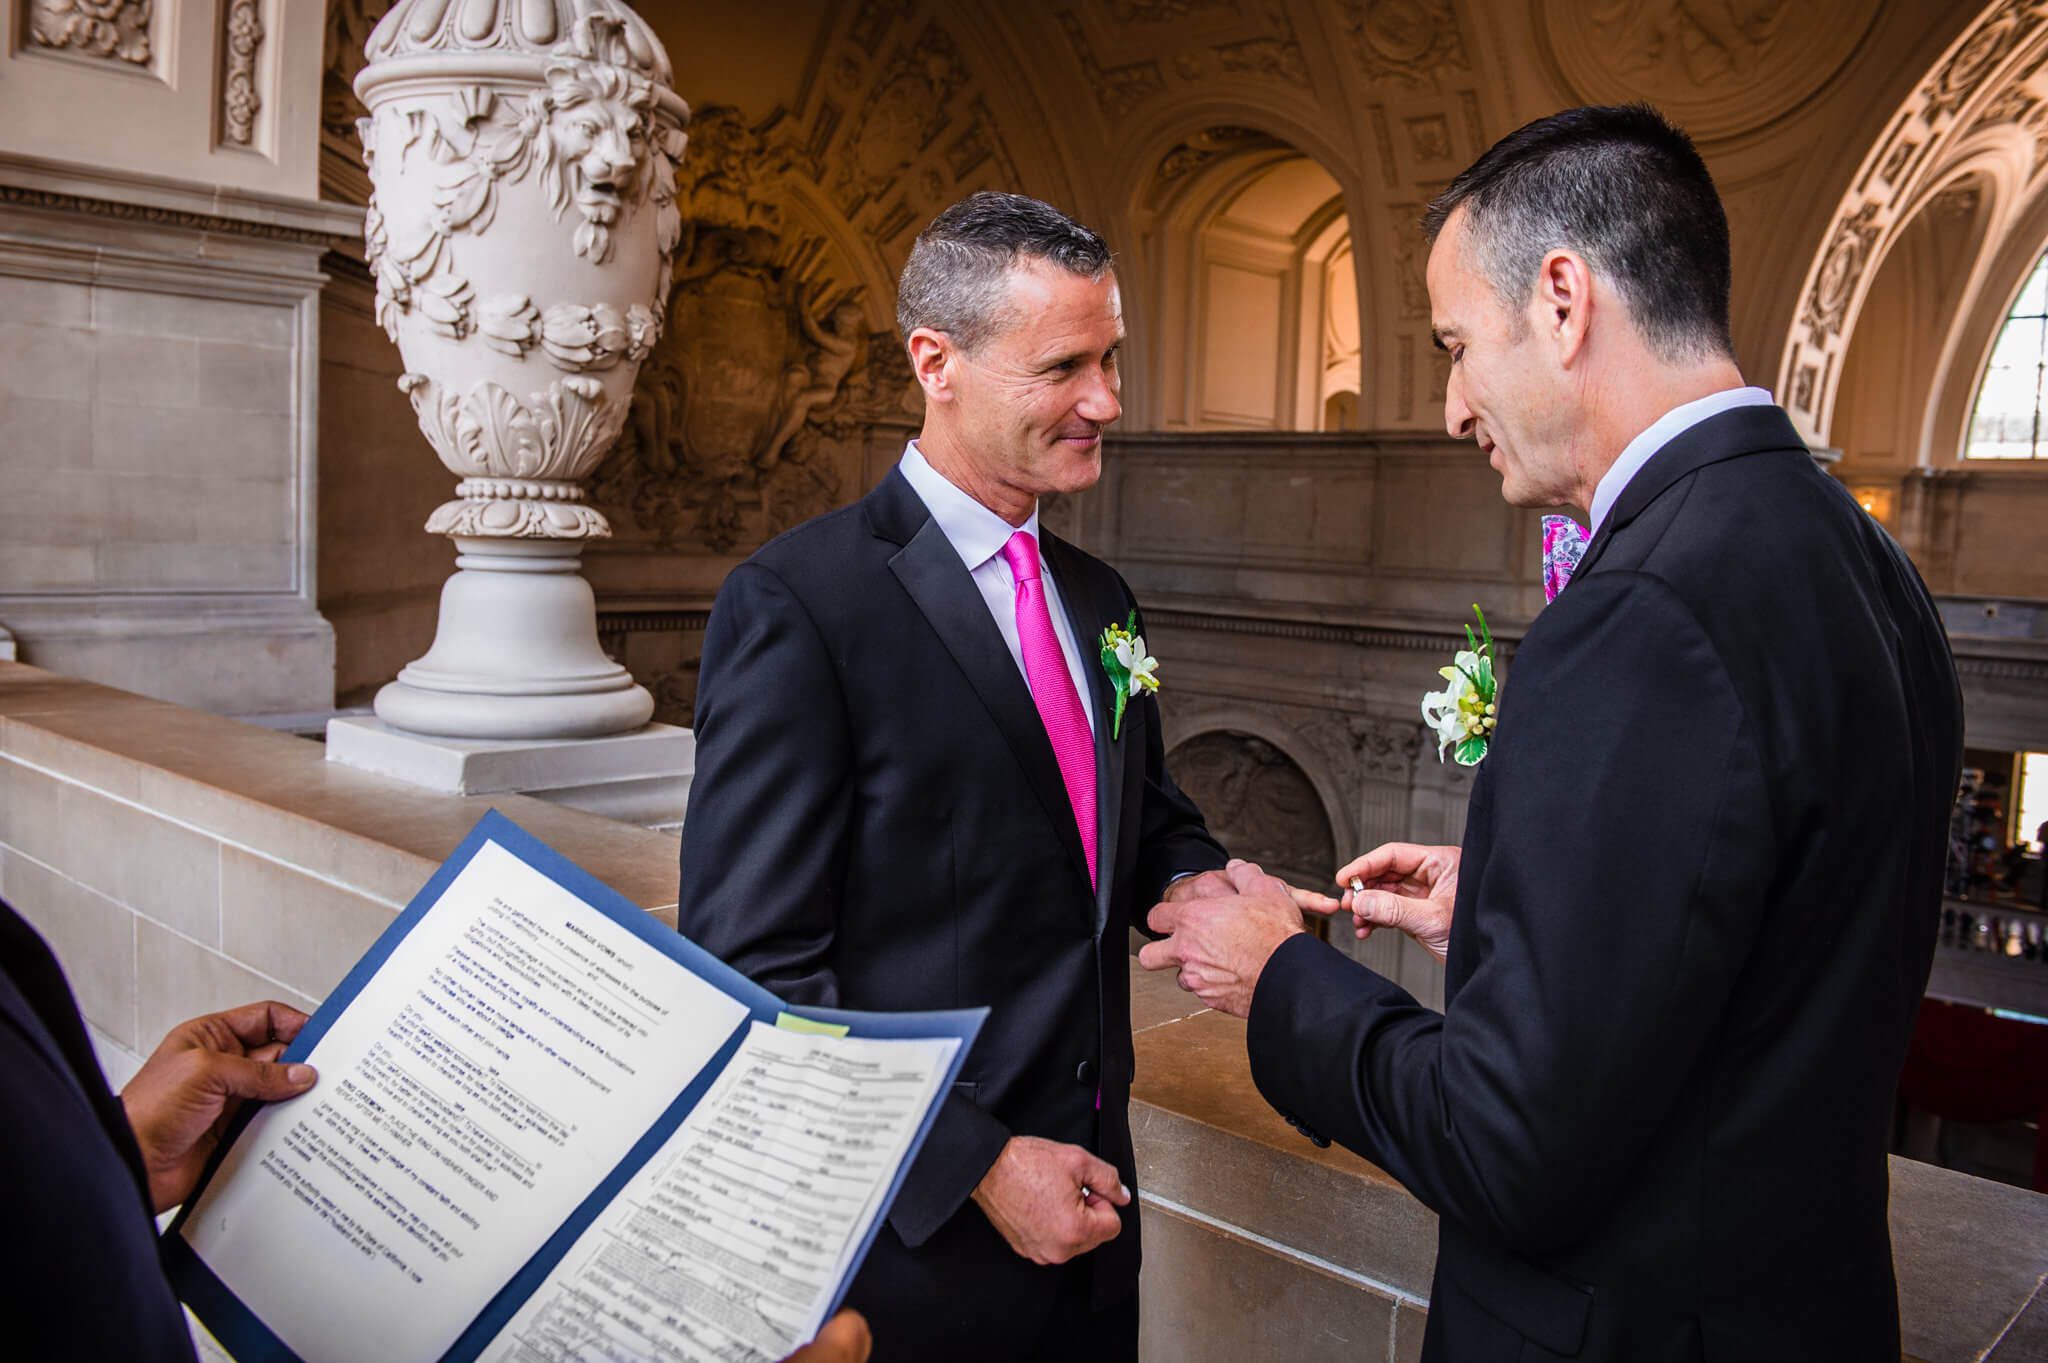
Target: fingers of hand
x: 1245, y: 876
x: 1388, y: 861
x: 239, y: 1076
x: 1378, y: 908
x: 252, y: 1025
x: 1308, y: 901
x: 1161, y: 955
x: 847, y: 1335
x: 1100, y: 1177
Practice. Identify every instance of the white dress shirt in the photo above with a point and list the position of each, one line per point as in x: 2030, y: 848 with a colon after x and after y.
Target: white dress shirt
x: 978, y: 535
x: 1660, y: 433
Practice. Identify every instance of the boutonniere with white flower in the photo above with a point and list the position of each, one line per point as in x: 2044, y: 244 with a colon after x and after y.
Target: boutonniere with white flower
x: 1464, y: 713
x: 1129, y: 669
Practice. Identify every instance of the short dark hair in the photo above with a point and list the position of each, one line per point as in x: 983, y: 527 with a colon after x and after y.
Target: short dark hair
x: 1624, y: 187
x: 953, y: 281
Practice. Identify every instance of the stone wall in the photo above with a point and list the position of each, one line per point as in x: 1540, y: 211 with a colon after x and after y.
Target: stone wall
x: 158, y: 374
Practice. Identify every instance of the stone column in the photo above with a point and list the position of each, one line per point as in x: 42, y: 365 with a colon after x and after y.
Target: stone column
x: 521, y: 231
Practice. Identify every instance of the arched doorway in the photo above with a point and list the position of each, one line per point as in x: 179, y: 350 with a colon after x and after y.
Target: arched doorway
x: 1251, y: 288
x: 1259, y: 804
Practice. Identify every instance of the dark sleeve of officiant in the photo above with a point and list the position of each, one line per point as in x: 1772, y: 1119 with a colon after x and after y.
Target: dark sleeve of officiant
x: 82, y: 1278
x: 1694, y: 918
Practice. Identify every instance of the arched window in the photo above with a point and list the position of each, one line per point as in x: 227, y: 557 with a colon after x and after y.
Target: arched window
x: 2006, y: 422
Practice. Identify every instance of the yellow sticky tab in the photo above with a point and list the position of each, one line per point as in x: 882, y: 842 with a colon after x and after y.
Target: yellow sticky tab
x: 790, y: 1022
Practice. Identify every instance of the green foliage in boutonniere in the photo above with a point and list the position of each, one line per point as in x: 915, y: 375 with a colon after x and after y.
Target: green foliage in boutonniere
x: 1464, y: 713
x: 1130, y: 671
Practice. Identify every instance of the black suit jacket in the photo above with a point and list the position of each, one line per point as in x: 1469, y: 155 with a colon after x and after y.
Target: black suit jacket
x: 878, y: 821
x: 81, y: 1277
x: 1696, y: 910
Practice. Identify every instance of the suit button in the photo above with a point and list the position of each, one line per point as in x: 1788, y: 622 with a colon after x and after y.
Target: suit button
x: 1084, y: 1073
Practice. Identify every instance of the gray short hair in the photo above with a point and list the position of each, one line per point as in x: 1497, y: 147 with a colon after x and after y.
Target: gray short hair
x: 1623, y: 187
x: 953, y: 281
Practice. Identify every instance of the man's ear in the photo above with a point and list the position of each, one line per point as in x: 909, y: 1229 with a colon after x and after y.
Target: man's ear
x: 1563, y: 305
x: 931, y: 359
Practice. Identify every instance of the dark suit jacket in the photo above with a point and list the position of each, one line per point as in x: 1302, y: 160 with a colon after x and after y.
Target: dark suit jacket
x: 1697, y: 906
x: 878, y: 821
x: 81, y: 1275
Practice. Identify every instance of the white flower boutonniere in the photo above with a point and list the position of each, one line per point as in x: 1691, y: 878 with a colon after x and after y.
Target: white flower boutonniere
x: 1463, y: 713
x: 1129, y: 669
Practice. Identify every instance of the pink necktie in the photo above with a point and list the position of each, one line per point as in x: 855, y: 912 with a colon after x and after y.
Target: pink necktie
x: 1052, y: 688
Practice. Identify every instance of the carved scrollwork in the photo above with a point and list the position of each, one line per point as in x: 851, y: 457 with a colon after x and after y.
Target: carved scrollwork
x: 1827, y: 303
x: 118, y: 29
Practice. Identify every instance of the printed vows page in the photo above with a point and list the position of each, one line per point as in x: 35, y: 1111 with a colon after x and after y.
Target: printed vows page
x: 730, y: 1243
x: 508, y: 1054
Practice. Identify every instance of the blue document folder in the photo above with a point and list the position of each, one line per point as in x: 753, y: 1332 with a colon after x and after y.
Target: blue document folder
x: 239, y: 1323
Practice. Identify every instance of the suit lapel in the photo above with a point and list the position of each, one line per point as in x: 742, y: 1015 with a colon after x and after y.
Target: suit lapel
x: 1092, y: 603
x: 1726, y: 435
x: 931, y: 571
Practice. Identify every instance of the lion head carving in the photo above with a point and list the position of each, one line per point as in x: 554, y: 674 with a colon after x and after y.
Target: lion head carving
x: 593, y: 145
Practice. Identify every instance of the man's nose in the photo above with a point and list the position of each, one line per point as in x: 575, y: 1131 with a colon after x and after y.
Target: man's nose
x: 1457, y: 416
x: 1099, y: 403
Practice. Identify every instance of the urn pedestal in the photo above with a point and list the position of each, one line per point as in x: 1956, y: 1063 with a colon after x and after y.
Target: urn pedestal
x: 521, y: 229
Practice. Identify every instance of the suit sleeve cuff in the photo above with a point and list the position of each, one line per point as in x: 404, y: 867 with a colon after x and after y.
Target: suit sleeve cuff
x: 963, y: 1144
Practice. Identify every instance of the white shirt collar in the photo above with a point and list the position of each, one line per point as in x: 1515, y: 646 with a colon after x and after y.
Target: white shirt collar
x: 1660, y: 433
x: 976, y: 533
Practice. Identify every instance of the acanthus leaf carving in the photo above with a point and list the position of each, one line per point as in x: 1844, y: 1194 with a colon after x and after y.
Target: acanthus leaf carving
x: 557, y: 434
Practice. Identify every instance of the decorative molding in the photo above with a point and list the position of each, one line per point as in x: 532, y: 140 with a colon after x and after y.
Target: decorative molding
x: 165, y: 217
x: 116, y: 30
x: 239, y: 100
x: 622, y: 622
x: 2002, y: 669
x: 1317, y: 631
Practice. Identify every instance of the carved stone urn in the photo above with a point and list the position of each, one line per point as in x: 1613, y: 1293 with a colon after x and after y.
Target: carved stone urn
x: 522, y: 156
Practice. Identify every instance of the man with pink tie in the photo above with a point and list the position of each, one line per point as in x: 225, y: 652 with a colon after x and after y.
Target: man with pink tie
x: 913, y: 791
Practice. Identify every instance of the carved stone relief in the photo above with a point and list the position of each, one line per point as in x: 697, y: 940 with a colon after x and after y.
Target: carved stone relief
x: 1429, y: 137
x: 117, y: 30
x: 239, y: 100
x: 1719, y: 67
x: 349, y: 25
x: 1279, y: 55
x: 1199, y: 150
x: 759, y: 406
x: 1410, y: 257
x: 1415, y: 43
x: 1258, y: 803
x: 741, y: 422
x: 1118, y: 89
